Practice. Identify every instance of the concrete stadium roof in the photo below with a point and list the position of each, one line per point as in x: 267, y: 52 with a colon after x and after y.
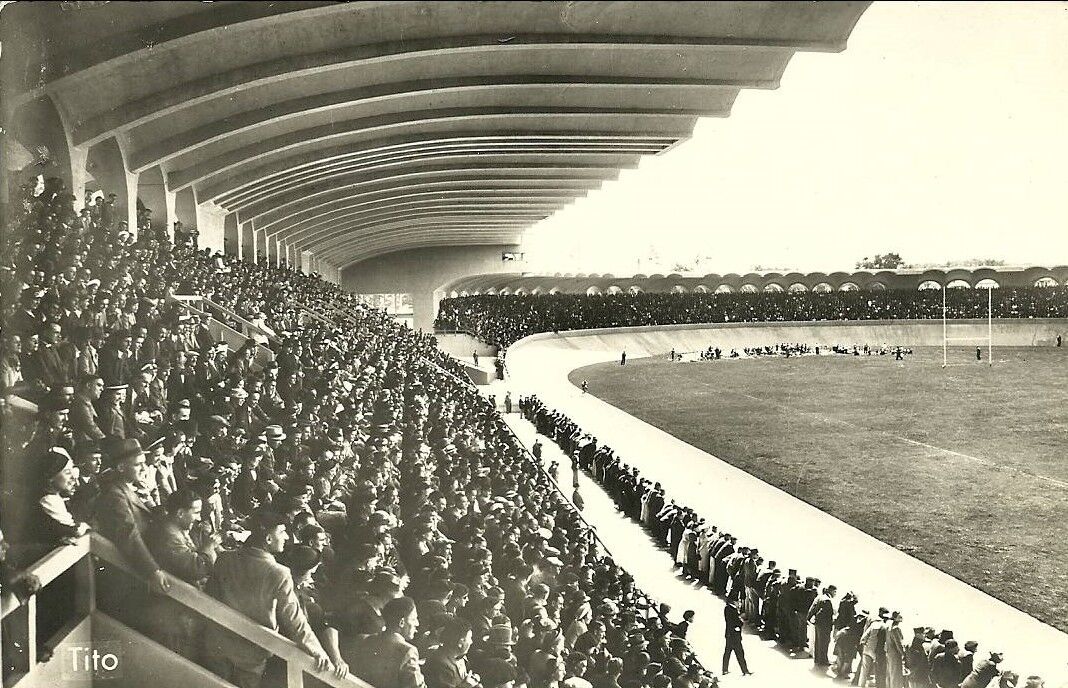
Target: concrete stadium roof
x: 355, y: 129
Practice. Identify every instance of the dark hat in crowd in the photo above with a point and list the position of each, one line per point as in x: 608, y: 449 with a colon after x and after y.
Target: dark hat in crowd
x: 500, y: 634
x: 125, y: 449
x: 54, y: 462
x: 497, y: 672
x: 52, y: 404
x: 158, y: 442
x: 274, y: 432
x: 300, y: 559
x: 86, y: 448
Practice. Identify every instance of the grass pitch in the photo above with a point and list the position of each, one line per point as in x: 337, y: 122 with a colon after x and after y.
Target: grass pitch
x: 965, y: 467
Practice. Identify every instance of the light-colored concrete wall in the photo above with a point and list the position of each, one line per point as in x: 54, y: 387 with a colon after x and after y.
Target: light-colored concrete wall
x: 462, y: 345
x: 655, y: 341
x: 422, y: 272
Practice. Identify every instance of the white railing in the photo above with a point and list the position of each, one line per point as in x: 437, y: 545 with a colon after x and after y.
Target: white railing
x: 80, y: 556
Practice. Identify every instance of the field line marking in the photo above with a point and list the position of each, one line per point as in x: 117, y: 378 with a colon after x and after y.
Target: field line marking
x: 828, y: 419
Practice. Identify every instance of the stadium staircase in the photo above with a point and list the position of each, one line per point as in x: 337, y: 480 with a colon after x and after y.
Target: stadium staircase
x: 78, y: 570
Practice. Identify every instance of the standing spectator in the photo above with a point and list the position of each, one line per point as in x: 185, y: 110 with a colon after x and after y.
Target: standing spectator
x: 83, y: 415
x: 916, y: 660
x: 895, y: 653
x: 985, y: 672
x: 123, y: 518
x: 945, y: 667
x: 250, y: 580
x: 847, y: 644
x: 446, y: 666
x: 870, y: 648
x: 733, y: 636
x: 821, y: 615
x: 174, y: 549
x: 388, y: 659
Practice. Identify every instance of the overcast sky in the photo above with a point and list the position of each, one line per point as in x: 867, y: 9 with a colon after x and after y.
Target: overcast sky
x: 940, y: 133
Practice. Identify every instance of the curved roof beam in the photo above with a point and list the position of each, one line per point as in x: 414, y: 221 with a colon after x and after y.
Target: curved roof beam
x: 182, y: 172
x: 431, y: 236
x: 157, y: 104
x: 295, y: 200
x: 531, y: 211
x: 456, y: 161
x: 702, y: 93
x: 292, y: 161
x: 441, y: 189
x: 444, y: 239
x: 334, y: 167
x: 261, y: 41
x: 474, y: 230
x: 350, y: 209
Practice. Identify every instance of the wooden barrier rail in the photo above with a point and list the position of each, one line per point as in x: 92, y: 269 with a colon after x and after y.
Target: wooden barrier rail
x: 81, y: 556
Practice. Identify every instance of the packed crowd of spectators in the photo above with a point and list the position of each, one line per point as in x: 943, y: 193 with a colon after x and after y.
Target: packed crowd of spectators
x: 799, y: 612
x: 353, y: 493
x: 504, y: 320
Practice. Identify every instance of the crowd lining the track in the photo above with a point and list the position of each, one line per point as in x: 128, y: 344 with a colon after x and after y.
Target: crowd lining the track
x: 504, y: 320
x: 798, y: 612
x: 353, y: 493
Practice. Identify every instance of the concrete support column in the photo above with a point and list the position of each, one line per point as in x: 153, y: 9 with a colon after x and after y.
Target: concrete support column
x: 231, y: 236
x: 259, y: 244
x: 105, y: 163
x: 131, y: 202
x: 423, y: 306
x: 79, y: 175
x: 152, y: 192
x: 170, y: 202
x: 211, y: 223
x: 185, y: 210
x: 248, y: 242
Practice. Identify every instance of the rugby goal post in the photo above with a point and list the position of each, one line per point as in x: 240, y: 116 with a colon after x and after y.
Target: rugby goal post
x: 989, y: 338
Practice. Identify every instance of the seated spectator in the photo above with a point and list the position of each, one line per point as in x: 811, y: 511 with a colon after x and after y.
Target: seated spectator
x: 54, y: 524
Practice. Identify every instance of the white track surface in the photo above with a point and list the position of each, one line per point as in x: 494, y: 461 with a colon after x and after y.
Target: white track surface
x: 786, y: 529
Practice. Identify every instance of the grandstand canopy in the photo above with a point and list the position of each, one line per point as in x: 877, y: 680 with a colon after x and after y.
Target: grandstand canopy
x: 357, y: 129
